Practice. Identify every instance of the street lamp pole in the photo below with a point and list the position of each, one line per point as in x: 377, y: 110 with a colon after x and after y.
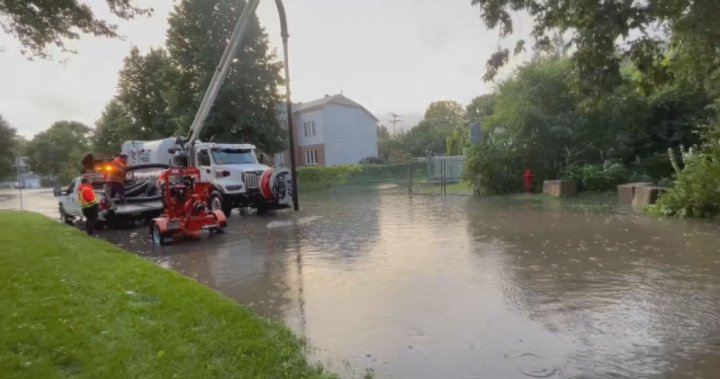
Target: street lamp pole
x: 291, y: 131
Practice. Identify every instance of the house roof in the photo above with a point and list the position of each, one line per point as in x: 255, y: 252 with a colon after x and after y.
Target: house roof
x: 334, y: 99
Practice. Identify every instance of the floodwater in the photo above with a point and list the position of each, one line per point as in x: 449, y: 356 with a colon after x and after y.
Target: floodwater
x: 460, y: 287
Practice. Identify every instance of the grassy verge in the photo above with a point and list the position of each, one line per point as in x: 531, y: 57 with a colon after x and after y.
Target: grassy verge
x: 74, y: 306
x: 460, y: 188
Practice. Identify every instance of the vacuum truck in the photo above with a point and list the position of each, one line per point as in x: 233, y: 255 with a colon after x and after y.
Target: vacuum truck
x: 232, y: 169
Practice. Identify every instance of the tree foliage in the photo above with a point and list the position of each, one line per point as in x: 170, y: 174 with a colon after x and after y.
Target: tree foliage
x: 444, y: 114
x: 142, y: 89
x: 431, y: 134
x: 57, y: 151
x: 8, y: 143
x: 246, y: 107
x: 557, y: 132
x: 113, y: 128
x: 480, y: 107
x: 39, y: 24
x: 160, y: 92
x: 696, y: 189
x: 605, y: 32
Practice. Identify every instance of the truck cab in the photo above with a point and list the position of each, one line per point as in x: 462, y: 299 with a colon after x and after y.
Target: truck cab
x: 232, y: 169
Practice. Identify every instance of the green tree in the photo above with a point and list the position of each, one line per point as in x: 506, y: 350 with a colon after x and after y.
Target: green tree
x: 537, y: 113
x: 600, y: 29
x: 534, y: 124
x: 426, y: 138
x: 57, y: 151
x: 142, y: 88
x: 430, y: 135
x: 444, y: 114
x: 8, y: 143
x: 38, y: 24
x: 480, y: 107
x: 458, y: 140
x: 246, y: 107
x: 112, y: 129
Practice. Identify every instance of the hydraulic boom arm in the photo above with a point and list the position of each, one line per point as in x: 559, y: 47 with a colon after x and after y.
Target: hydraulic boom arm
x: 236, y: 39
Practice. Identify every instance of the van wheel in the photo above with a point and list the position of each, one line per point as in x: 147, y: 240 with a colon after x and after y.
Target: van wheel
x: 64, y: 217
x: 217, y: 202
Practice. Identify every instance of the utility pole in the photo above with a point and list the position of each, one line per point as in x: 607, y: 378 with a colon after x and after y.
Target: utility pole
x: 394, y: 121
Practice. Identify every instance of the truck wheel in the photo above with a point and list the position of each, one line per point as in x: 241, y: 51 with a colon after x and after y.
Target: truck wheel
x: 217, y: 202
x: 158, y: 238
x: 261, y: 209
x: 64, y: 217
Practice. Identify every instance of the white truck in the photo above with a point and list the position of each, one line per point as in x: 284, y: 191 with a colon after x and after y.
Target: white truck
x: 233, y: 170
x: 142, y: 202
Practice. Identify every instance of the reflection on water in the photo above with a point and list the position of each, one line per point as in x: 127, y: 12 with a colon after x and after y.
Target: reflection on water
x: 426, y: 287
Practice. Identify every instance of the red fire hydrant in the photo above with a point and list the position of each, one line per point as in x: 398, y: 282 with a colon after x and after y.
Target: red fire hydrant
x: 528, y: 176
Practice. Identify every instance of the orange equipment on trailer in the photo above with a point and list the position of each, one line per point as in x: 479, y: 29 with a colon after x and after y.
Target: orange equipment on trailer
x: 185, y: 200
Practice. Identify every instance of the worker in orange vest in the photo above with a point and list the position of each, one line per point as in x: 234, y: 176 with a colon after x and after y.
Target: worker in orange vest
x: 89, y: 204
x: 116, y: 176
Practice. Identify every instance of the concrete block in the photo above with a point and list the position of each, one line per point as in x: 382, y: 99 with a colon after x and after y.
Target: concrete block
x: 626, y: 192
x: 646, y: 195
x: 560, y: 188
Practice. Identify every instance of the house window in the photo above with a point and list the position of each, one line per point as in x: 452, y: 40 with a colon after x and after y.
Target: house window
x: 309, y: 128
x: 311, y: 157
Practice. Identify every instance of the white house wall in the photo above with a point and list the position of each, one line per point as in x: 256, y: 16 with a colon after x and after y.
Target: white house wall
x: 304, y: 117
x: 350, y: 134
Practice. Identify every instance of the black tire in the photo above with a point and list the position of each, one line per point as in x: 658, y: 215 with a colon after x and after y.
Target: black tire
x: 217, y: 202
x: 158, y: 238
x: 64, y: 217
x: 261, y: 209
x: 221, y: 226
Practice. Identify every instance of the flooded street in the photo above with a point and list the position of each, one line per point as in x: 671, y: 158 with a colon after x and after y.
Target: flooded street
x: 426, y: 287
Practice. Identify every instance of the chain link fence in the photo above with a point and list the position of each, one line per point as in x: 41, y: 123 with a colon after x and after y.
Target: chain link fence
x: 434, y: 175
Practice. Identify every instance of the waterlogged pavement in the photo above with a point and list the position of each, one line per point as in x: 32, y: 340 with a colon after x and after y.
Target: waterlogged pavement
x: 458, y: 287
x: 37, y: 200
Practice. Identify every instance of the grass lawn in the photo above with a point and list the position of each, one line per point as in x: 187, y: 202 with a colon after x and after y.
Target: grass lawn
x: 459, y: 188
x: 74, y: 306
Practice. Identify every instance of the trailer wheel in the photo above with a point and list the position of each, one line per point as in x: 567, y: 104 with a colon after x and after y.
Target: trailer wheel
x: 220, y: 229
x: 157, y: 236
x: 217, y: 202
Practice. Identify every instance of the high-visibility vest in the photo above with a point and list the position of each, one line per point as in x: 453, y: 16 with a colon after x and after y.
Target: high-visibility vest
x: 117, y: 171
x: 86, y: 195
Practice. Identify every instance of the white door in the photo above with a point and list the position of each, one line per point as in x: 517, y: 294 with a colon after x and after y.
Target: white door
x: 73, y: 202
x: 205, y: 166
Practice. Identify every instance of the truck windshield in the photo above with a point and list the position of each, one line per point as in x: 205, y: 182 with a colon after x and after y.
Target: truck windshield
x: 234, y: 156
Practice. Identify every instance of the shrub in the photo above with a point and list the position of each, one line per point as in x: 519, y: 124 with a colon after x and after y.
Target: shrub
x: 696, y: 191
x: 595, y: 177
x: 494, y: 169
x: 325, y: 177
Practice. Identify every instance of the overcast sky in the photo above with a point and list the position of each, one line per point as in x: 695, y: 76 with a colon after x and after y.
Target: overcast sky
x: 389, y: 55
